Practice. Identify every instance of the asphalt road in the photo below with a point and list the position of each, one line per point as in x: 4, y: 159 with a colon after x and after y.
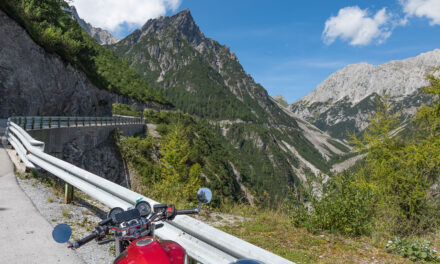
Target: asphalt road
x: 25, y: 236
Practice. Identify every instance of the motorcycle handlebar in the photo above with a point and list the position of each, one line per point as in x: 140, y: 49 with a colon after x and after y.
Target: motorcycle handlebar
x: 85, y: 240
x: 187, y: 211
x: 105, y: 221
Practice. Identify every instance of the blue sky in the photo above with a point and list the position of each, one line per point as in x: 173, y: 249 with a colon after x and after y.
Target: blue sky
x: 281, y: 42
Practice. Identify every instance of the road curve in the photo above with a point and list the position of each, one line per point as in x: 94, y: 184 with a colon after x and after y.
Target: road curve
x: 25, y: 236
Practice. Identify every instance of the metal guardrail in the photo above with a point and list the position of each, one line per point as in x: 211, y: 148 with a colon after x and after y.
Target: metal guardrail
x: 41, y: 122
x: 202, y: 242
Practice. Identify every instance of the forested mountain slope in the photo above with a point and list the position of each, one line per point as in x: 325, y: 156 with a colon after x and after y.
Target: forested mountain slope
x: 276, y: 150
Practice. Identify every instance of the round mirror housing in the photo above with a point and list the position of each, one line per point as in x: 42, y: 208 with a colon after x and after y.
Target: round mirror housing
x: 61, y: 233
x: 204, y: 195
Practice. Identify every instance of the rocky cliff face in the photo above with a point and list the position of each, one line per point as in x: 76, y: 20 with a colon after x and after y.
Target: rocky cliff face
x: 104, y: 160
x: 33, y: 82
x: 101, y: 35
x: 345, y: 100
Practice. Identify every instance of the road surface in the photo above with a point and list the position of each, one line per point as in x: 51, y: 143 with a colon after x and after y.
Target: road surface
x: 25, y: 236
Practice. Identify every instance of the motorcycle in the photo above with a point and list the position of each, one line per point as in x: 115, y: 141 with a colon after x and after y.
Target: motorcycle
x: 133, y: 233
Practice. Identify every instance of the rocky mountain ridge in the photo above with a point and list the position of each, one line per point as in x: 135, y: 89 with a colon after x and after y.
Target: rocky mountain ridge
x: 101, y: 35
x: 170, y: 51
x: 347, y: 98
x: 204, y: 78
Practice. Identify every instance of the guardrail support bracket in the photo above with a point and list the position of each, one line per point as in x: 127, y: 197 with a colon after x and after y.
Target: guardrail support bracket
x: 68, y: 193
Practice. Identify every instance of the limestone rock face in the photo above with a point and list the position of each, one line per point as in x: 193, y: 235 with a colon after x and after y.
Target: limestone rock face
x: 104, y: 160
x: 346, y: 98
x: 101, y: 35
x: 34, y: 82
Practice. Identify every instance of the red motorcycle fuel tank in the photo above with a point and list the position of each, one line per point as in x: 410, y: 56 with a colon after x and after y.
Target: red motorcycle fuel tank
x: 148, y: 250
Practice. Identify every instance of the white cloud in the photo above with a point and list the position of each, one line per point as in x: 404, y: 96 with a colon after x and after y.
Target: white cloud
x: 357, y: 26
x: 423, y: 8
x: 110, y: 14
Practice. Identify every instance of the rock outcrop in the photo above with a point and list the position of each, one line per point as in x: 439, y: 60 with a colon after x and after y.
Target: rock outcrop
x: 101, y: 35
x: 34, y: 82
x: 281, y: 100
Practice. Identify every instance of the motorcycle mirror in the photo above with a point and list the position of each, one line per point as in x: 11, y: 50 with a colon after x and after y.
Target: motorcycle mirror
x: 61, y: 233
x: 204, y: 195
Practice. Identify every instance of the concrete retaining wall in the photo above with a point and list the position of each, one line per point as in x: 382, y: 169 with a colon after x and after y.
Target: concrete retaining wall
x: 84, y: 137
x: 90, y: 148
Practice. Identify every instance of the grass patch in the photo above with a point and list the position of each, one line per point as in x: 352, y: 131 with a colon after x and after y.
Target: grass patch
x: 274, y: 231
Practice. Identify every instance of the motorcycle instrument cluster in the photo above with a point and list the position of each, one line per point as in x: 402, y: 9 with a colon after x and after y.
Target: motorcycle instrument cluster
x: 115, y: 211
x: 144, y: 208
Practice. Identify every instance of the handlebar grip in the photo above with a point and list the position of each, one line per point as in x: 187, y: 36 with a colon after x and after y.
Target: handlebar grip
x: 105, y: 221
x: 85, y: 240
x: 187, y: 211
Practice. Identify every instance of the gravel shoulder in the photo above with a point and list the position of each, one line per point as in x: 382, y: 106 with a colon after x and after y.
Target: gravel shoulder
x: 30, y: 206
x: 82, y: 215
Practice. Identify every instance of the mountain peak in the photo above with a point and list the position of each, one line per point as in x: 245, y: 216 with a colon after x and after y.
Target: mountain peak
x: 280, y: 99
x: 183, y: 22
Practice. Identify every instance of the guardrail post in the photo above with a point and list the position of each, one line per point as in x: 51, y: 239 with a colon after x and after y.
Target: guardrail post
x: 25, y: 123
x: 50, y: 122
x: 68, y: 193
x: 59, y: 122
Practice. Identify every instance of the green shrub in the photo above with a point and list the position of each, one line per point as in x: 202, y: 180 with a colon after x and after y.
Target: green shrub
x: 346, y: 208
x: 415, y: 250
x: 125, y: 110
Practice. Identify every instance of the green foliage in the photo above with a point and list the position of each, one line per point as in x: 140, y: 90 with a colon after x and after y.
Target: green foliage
x: 401, y: 173
x: 390, y: 192
x: 126, y: 110
x: 347, y: 207
x: 56, y: 32
x: 177, y: 179
x: 415, y: 250
x: 172, y: 165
